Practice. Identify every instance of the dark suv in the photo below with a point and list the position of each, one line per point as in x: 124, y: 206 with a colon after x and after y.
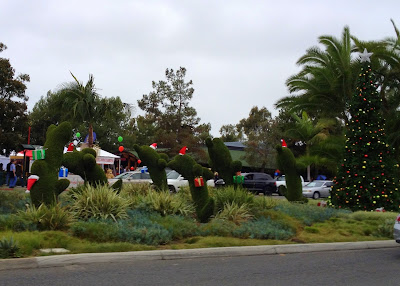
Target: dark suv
x: 259, y: 183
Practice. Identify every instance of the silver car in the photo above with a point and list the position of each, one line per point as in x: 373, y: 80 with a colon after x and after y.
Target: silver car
x: 317, y: 189
x: 396, y: 230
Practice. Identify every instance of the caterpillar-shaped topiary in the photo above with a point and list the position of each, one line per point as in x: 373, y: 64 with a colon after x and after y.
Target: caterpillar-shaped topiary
x: 187, y: 167
x: 156, y: 163
x: 221, y: 160
x: 287, y: 163
x: 48, y: 187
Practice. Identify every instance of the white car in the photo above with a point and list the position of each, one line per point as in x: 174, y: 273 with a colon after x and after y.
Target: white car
x: 132, y: 177
x: 176, y: 181
x: 281, y: 181
x: 396, y: 230
x: 317, y: 189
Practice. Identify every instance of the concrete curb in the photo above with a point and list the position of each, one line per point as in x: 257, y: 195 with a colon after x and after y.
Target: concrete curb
x: 87, y: 258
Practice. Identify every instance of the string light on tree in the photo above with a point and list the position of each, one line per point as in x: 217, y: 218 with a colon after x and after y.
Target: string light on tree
x: 366, y: 155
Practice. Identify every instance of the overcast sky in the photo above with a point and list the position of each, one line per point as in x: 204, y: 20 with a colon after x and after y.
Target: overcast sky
x: 238, y: 53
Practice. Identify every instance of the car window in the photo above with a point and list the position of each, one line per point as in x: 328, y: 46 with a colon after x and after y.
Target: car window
x: 259, y: 177
x: 134, y: 176
x: 122, y: 176
x: 329, y: 184
x: 248, y: 177
x: 315, y: 184
x: 173, y: 175
x: 145, y: 176
x: 280, y: 179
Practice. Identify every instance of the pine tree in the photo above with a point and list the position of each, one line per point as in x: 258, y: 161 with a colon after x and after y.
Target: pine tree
x: 366, y: 179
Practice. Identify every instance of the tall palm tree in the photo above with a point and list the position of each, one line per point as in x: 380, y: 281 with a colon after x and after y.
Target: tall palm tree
x: 327, y: 79
x: 82, y: 101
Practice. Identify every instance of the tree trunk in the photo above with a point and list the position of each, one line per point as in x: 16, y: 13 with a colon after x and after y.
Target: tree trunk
x: 90, y: 139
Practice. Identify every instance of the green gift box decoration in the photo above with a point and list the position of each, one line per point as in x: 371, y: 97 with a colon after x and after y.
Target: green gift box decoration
x: 38, y: 154
x: 238, y: 179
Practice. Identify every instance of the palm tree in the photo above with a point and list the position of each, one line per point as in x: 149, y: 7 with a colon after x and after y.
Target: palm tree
x: 82, y: 101
x: 319, y: 150
x: 327, y: 80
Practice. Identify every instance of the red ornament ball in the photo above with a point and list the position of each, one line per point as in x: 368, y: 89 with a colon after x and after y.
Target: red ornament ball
x: 121, y: 148
x: 132, y: 168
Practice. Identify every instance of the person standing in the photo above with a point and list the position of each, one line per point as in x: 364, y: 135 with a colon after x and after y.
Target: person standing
x: 13, y: 174
x: 18, y: 168
x: 8, y: 173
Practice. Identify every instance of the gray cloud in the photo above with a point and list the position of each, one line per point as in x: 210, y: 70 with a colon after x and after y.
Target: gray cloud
x: 238, y: 53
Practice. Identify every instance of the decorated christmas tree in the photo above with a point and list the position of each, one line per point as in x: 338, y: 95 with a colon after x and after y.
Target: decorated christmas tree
x: 367, y: 178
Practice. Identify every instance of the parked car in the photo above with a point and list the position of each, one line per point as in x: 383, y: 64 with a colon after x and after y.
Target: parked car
x: 132, y: 177
x: 317, y: 189
x: 259, y: 183
x: 174, y: 180
x: 281, y: 182
x: 396, y: 230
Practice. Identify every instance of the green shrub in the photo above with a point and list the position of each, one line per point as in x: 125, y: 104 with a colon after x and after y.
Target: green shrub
x: 218, y: 227
x: 229, y: 195
x: 99, y: 202
x: 15, y: 223
x: 235, y: 213
x: 179, y: 227
x: 134, y: 190
x: 384, y: 229
x: 263, y: 203
x: 139, y: 227
x: 368, y: 215
x: 11, y: 202
x: 165, y: 203
x: 96, y: 230
x: 52, y: 217
x: 142, y: 227
x: 308, y: 214
x: 311, y: 229
x: 8, y: 248
x: 264, y: 228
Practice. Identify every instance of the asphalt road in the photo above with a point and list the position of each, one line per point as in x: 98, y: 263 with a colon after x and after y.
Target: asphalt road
x: 359, y: 267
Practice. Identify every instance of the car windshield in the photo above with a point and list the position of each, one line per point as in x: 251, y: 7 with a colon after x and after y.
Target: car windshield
x: 315, y: 184
x: 173, y: 175
x: 122, y: 176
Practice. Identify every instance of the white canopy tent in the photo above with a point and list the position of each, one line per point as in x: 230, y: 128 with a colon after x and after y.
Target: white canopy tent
x: 103, y: 157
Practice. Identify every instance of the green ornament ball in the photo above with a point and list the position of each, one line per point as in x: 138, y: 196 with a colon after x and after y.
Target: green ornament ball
x: 78, y: 134
x: 120, y: 138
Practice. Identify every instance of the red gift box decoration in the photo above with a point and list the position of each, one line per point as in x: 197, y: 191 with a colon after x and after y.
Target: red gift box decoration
x: 198, y: 182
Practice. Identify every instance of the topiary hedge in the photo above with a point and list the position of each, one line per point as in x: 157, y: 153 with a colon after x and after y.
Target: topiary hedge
x: 156, y: 164
x: 48, y: 187
x: 186, y: 166
x: 221, y: 160
x: 83, y: 163
x: 287, y: 163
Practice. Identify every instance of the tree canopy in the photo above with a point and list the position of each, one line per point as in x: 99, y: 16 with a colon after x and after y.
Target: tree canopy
x: 169, y: 118
x: 13, y: 108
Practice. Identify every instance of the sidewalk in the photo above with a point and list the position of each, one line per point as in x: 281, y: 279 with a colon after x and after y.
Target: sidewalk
x: 76, y: 259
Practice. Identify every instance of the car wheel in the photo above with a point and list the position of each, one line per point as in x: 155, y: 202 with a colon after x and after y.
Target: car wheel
x: 267, y: 192
x: 281, y: 190
x: 172, y: 189
x: 316, y: 196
